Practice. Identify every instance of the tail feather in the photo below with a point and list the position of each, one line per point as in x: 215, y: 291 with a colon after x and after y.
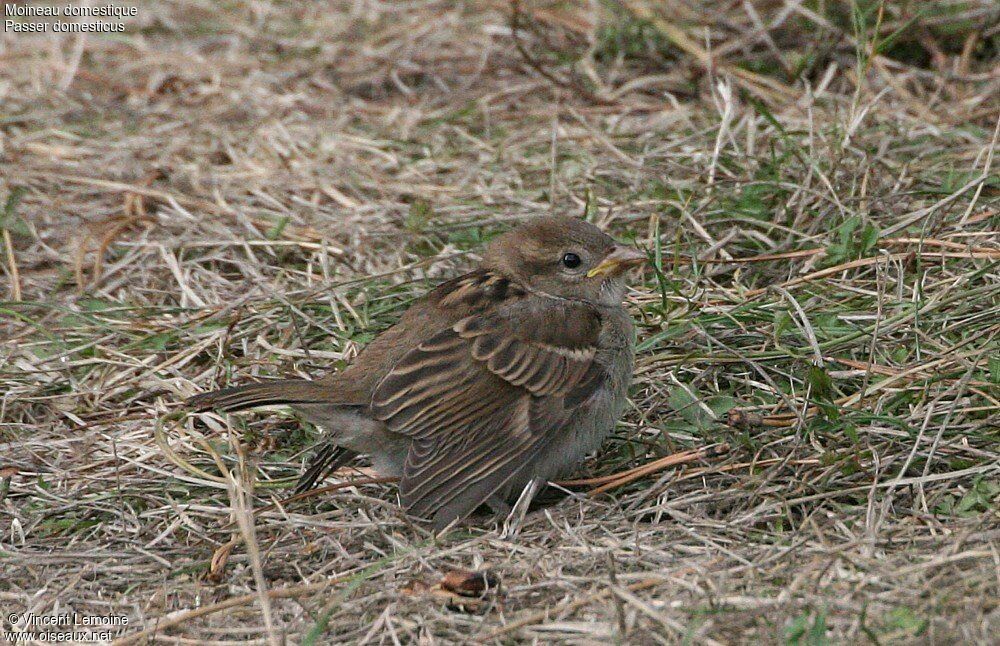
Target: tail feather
x: 264, y: 393
x: 329, y: 457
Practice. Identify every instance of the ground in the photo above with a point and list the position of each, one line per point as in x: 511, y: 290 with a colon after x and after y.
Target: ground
x: 241, y: 190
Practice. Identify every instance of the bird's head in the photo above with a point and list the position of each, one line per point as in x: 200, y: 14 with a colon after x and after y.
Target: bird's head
x: 564, y: 257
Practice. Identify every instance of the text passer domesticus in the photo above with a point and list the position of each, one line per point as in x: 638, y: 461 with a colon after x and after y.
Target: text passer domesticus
x: 504, y: 377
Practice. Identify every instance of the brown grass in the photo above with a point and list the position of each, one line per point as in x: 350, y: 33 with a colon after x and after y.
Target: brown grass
x: 239, y: 190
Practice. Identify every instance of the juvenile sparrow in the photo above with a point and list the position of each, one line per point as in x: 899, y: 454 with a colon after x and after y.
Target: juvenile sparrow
x: 504, y: 377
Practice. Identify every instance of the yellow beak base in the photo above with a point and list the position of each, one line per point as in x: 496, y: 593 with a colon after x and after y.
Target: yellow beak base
x: 620, y: 259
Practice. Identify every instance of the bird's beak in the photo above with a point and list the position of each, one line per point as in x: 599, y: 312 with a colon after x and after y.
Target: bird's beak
x: 620, y: 259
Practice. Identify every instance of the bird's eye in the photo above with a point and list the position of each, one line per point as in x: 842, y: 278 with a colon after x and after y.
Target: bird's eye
x: 571, y: 261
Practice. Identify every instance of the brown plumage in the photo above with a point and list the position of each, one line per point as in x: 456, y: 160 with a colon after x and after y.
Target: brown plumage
x: 508, y: 374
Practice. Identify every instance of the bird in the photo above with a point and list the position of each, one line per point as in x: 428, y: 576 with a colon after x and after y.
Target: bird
x: 491, y: 384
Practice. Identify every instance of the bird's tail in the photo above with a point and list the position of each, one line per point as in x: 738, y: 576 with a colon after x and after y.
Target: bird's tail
x: 263, y: 393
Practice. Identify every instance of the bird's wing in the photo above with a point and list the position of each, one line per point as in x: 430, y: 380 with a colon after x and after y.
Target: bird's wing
x: 483, y: 397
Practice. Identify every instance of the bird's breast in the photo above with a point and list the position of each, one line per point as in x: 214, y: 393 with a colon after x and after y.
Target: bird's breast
x: 593, y: 420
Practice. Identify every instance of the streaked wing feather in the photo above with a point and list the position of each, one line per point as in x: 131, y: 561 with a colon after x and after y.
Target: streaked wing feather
x: 327, y: 459
x: 541, y: 368
x: 480, y: 400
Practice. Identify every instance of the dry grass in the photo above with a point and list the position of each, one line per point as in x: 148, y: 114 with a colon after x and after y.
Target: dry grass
x: 254, y: 189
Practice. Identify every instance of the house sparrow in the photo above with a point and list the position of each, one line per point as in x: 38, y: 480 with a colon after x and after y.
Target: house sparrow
x: 499, y: 379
